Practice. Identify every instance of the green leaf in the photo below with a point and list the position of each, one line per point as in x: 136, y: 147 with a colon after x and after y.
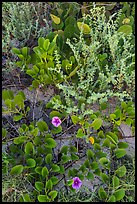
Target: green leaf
x: 38, y: 170
x: 39, y: 185
x: 123, y: 105
x: 102, y: 193
x: 48, y: 158
x: 106, y: 143
x: 129, y: 121
x: 117, y: 113
x: 53, y: 194
x: 82, y: 168
x: 101, y: 134
x: 65, y: 159
x: 120, y: 153
x: 90, y: 154
x: 16, y: 170
x: 49, y: 185
x: 26, y: 198
x: 126, y: 29
x: 115, y: 181
x: 24, y: 51
x: 96, y: 124
x: 123, y: 145
x: 112, y: 199
x: 73, y: 149
x: 55, y: 168
x: 75, y: 119
x: 80, y: 133
x: 46, y: 44
x: 74, y: 157
x: 44, y: 172
x: 113, y: 137
x: 104, y: 177
x: 55, y: 113
x: 112, y: 116
x: 42, y: 125
x: 7, y: 94
x: 17, y: 117
x: 50, y: 143
x: 16, y: 51
x: 4, y: 132
x: 90, y: 176
x: 64, y: 149
x: 41, y: 41
x: 119, y: 194
x: 31, y: 163
x: 84, y: 27
x: 62, y: 169
x: 97, y: 146
x: 121, y: 171
x: 94, y: 165
x: 29, y: 148
x: 70, y: 182
x: 86, y: 163
x: 54, y: 180
x: 43, y: 198
x: 56, y: 130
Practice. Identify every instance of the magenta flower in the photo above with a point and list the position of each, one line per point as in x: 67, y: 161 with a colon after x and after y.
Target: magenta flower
x: 77, y: 183
x: 56, y: 121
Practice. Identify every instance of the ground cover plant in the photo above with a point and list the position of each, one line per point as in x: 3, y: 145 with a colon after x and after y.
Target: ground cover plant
x: 87, y: 63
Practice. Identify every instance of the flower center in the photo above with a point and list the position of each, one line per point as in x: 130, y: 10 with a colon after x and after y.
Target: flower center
x: 57, y: 121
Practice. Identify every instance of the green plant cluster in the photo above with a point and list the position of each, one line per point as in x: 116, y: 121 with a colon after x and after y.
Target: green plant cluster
x: 100, y: 66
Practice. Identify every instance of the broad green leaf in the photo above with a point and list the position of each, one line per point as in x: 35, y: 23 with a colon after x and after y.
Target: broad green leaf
x: 104, y: 177
x: 49, y: 185
x: 64, y: 149
x: 94, y: 165
x: 42, y: 125
x: 87, y: 163
x: 80, y: 133
x: 70, y: 182
x: 48, y: 158
x: 74, y: 119
x: 119, y: 194
x: 55, y: 19
x: 112, y: 116
x: 26, y: 198
x: 102, y: 193
x: 39, y: 185
x: 121, y: 171
x: 123, y: 145
x: 117, y: 113
x: 83, y: 168
x: 29, y: 148
x: 74, y: 157
x: 54, y: 180
x: 106, y: 143
x: 44, y: 172
x: 7, y: 94
x: 4, y: 132
x: 56, y: 130
x: 90, y: 154
x: 129, y: 121
x: 41, y: 42
x: 51, y: 143
x: 38, y: 169
x: 24, y: 51
x: 123, y: 105
x: 43, y: 198
x: 113, y: 137
x: 16, y: 50
x: 103, y: 105
x: 101, y: 134
x: 105, y: 162
x: 84, y: 27
x: 65, y: 159
x: 55, y: 113
x: 16, y: 170
x: 31, y: 163
x: 115, y: 181
x: 96, y: 124
x: 97, y: 146
x: 62, y: 170
x: 46, y: 44
x: 73, y: 149
x: 112, y: 199
x: 55, y: 168
x: 17, y: 117
x: 90, y: 175
x: 97, y: 172
x: 120, y: 153
x: 126, y: 29
x: 53, y: 194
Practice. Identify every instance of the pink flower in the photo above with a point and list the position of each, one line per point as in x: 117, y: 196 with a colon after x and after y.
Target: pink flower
x: 77, y: 183
x: 56, y: 121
